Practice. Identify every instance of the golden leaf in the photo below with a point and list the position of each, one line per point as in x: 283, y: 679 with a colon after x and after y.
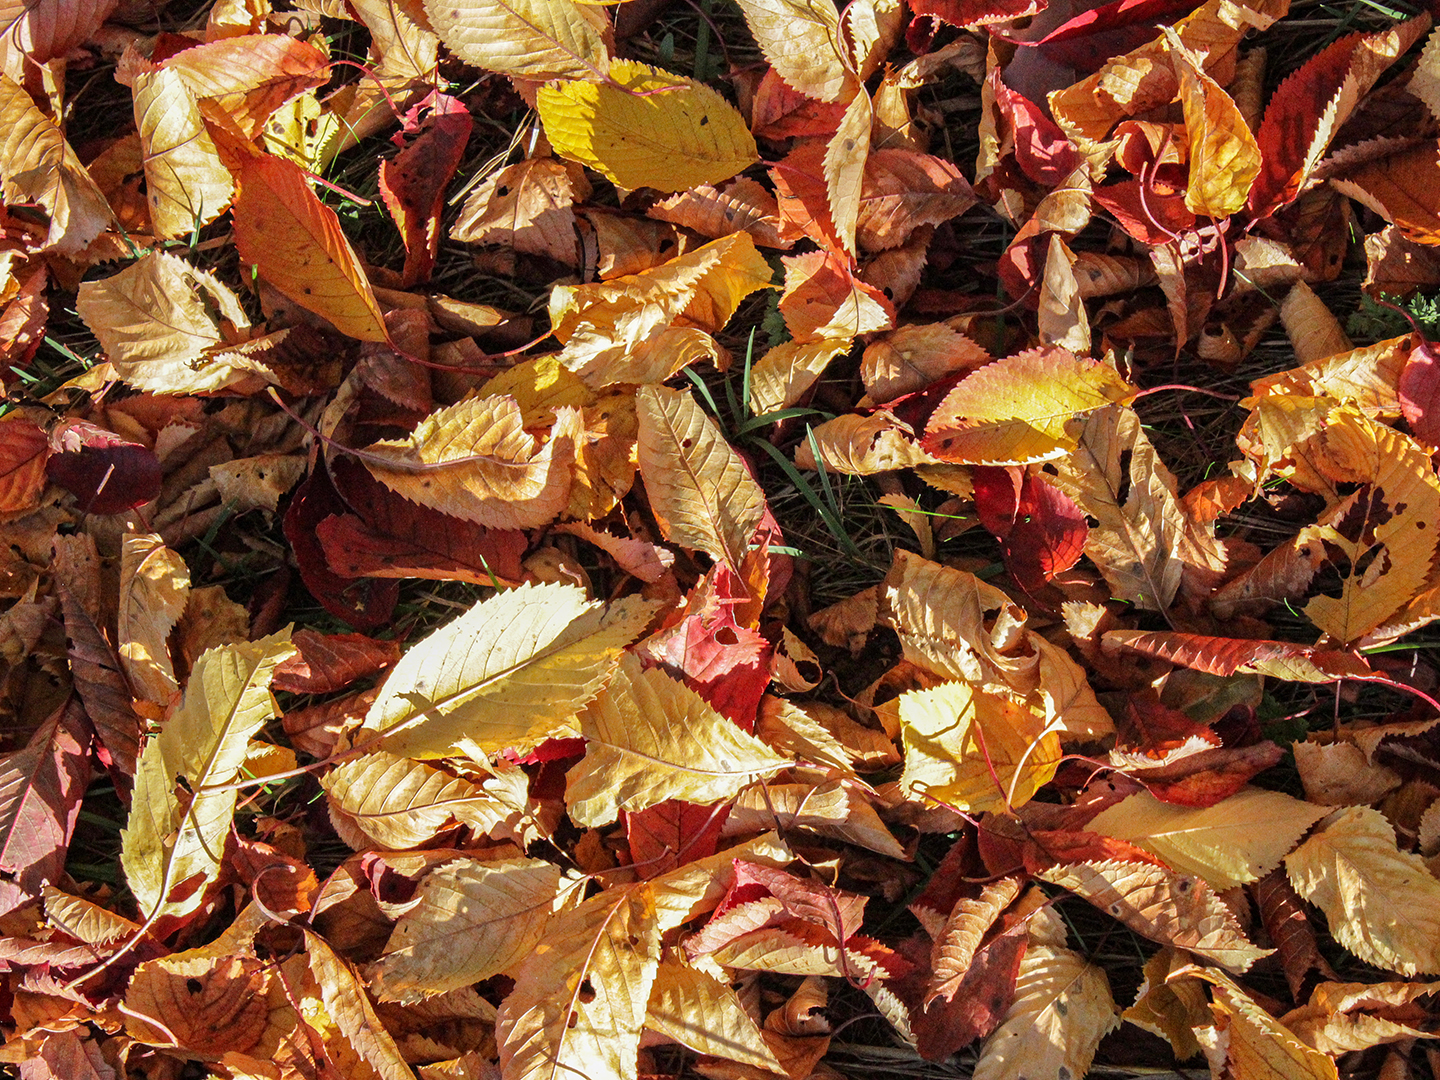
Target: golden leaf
x: 1063, y: 321
x: 649, y: 738
x: 186, y: 183
x: 1163, y: 906
x: 250, y: 76
x: 642, y: 328
x: 844, y: 167
x: 1224, y: 156
x: 579, y: 1000
x: 154, y: 588
x: 861, y: 445
x: 158, y: 318
x: 1171, y: 1005
x: 1017, y: 410
x: 1062, y: 1009
x: 474, y: 460
x: 1381, y: 903
x: 1144, y: 540
x: 510, y: 672
x: 801, y: 39
x: 1333, y: 1020
x: 835, y: 809
x: 174, y: 840
x: 399, y: 803
x: 780, y: 378
x: 531, y: 39
x: 1400, y: 508
x: 647, y: 128
x: 1234, y: 842
x: 974, y: 751
x: 527, y: 206
x: 1249, y: 1044
x: 470, y: 919
x: 38, y: 165
x: 349, y: 1007
x: 699, y: 1011
x: 952, y: 623
x: 699, y: 488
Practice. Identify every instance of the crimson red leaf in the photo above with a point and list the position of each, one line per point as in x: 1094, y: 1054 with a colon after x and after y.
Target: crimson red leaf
x: 671, y: 834
x: 413, y: 182
x: 105, y: 473
x: 1420, y: 393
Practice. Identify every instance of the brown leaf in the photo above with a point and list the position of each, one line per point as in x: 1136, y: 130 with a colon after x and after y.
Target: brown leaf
x: 329, y: 662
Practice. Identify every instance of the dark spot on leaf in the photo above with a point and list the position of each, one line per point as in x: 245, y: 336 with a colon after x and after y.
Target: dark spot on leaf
x: 194, y: 985
x: 503, y: 190
x: 685, y: 444
x: 704, y: 120
x: 1061, y: 1007
x: 587, y: 992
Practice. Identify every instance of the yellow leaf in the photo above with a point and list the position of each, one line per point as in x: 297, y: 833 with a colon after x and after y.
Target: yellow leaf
x: 174, y: 840
x: 349, y: 1007
x: 84, y: 920
x: 1389, y: 561
x: 699, y: 1011
x: 834, y: 809
x: 649, y: 738
x: 157, y: 319
x: 154, y: 588
x: 642, y: 328
x: 801, y: 39
x: 1171, y: 1006
x: 952, y: 623
x: 1382, y: 904
x: 470, y: 919
x: 38, y: 165
x: 974, y: 751
x: 1062, y: 1009
x: 579, y: 1000
x: 861, y: 445
x: 1224, y: 156
x: 475, y: 460
x: 186, y: 183
x: 1063, y: 321
x: 399, y: 803
x: 531, y: 39
x: 1368, y: 377
x: 1236, y: 841
x: 1249, y: 1044
x: 913, y: 357
x: 1016, y: 410
x: 699, y: 488
x: 844, y: 167
x: 1163, y: 906
x: 510, y: 672
x: 1144, y: 540
x: 1334, y: 1022
x: 780, y: 378
x: 681, y: 136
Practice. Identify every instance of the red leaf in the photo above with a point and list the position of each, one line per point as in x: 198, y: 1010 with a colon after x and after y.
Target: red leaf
x: 1420, y: 393
x: 23, y: 450
x: 364, y: 603
x: 46, y: 29
x: 100, y: 684
x: 413, y: 182
x: 672, y: 834
x: 1309, y: 107
x: 1091, y: 38
x: 803, y: 197
x: 1042, y: 150
x: 1146, y: 213
x: 387, y: 536
x: 105, y: 473
x: 1227, y: 656
x: 1041, y: 531
x: 968, y: 13
x: 781, y: 112
x: 1210, y: 776
x: 40, y: 791
x: 329, y: 662
x: 979, y: 1001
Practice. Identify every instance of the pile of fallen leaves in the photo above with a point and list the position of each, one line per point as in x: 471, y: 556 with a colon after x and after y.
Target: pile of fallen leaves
x: 562, y: 774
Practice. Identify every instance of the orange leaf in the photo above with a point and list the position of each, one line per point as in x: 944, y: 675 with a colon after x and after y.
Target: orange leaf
x: 295, y: 241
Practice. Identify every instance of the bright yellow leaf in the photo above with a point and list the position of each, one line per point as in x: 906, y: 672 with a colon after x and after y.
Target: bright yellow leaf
x: 649, y: 129
x: 1224, y: 156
